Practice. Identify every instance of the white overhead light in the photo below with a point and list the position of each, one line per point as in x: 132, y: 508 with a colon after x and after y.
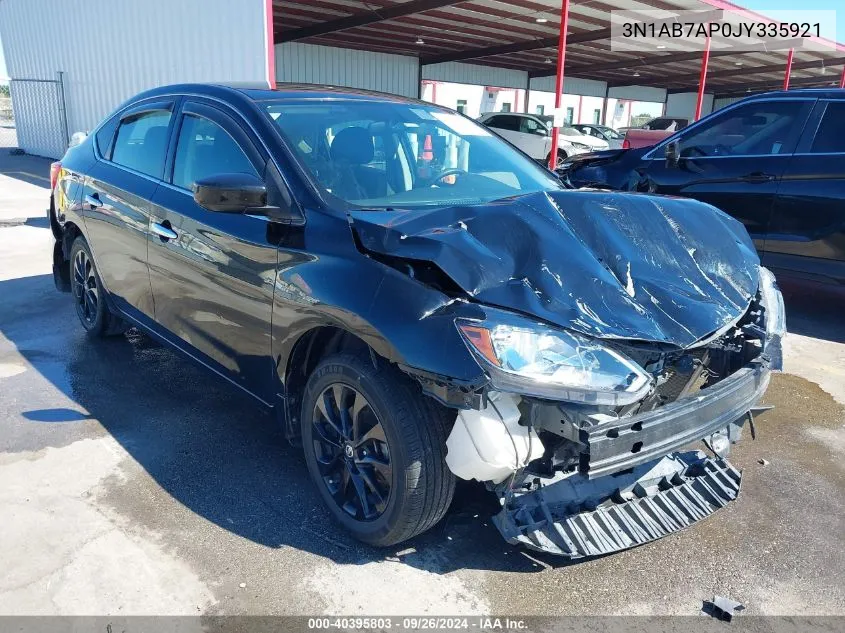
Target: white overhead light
x: 548, y: 60
x: 748, y: 90
x: 661, y: 46
x: 541, y: 20
x: 420, y: 41
x: 738, y: 63
x: 636, y: 73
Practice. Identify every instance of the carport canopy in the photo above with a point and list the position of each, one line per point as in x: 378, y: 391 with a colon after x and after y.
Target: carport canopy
x: 523, y: 35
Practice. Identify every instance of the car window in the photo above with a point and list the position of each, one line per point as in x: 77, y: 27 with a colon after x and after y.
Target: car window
x: 531, y: 126
x: 381, y: 154
x: 756, y: 128
x: 105, y: 134
x: 570, y: 131
x: 141, y: 142
x: 611, y: 133
x: 206, y: 149
x: 503, y: 123
x: 830, y: 137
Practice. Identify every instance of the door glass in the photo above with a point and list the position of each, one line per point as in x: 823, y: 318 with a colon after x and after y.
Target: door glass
x: 532, y: 126
x: 506, y: 107
x: 830, y: 137
x: 504, y: 123
x: 596, y: 116
x: 756, y: 128
x: 206, y: 149
x: 142, y: 142
x: 462, y: 106
x: 570, y: 114
x: 540, y: 109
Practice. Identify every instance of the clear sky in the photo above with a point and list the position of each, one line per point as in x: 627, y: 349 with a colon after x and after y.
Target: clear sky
x: 761, y: 6
x: 767, y: 6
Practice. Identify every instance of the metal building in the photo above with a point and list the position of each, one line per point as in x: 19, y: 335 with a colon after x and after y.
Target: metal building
x: 71, y: 62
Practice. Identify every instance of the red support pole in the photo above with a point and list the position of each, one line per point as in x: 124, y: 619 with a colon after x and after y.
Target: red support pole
x: 702, y: 78
x: 788, y: 69
x: 561, y: 55
x: 842, y: 79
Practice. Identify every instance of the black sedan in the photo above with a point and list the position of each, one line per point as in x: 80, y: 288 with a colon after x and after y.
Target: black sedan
x: 418, y: 300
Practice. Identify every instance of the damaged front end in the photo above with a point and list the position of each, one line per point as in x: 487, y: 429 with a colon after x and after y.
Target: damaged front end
x: 600, y: 472
x: 613, y: 331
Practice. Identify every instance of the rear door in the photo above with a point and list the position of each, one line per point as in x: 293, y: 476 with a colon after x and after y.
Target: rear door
x: 212, y: 274
x: 508, y: 127
x: 807, y: 235
x: 116, y: 200
x: 733, y: 160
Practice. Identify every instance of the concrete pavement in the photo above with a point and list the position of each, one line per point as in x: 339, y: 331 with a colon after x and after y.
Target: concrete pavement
x: 133, y: 482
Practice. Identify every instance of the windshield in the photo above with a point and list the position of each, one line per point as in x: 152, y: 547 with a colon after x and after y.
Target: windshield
x: 570, y: 131
x: 611, y: 133
x: 382, y: 154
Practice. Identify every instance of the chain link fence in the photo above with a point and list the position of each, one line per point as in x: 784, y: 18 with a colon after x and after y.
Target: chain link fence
x: 33, y: 117
x: 8, y: 136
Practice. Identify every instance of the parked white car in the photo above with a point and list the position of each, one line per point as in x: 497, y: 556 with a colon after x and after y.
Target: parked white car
x: 532, y: 135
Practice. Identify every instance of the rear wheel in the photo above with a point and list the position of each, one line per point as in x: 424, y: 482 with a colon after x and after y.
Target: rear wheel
x: 376, y: 447
x: 88, y: 295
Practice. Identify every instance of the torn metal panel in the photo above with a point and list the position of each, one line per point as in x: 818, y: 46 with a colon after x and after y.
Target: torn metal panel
x: 575, y: 517
x: 610, y: 265
x: 619, y: 444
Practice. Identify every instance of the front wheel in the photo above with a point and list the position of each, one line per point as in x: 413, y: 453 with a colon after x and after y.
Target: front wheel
x: 376, y: 447
x: 561, y: 156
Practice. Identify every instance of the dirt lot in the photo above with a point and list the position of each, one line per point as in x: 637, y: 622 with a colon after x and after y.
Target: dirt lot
x: 132, y: 482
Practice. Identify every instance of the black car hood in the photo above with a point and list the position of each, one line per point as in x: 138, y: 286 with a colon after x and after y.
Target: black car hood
x: 606, y: 264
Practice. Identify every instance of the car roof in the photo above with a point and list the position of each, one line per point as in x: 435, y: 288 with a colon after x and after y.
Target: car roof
x: 282, y: 91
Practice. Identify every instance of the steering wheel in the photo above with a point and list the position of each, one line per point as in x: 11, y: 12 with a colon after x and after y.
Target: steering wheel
x: 449, y: 171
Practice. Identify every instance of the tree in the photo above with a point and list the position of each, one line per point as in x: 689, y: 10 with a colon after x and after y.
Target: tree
x: 4, y: 90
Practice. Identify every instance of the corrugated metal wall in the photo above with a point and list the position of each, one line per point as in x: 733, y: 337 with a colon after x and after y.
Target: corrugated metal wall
x: 459, y: 73
x: 308, y: 63
x: 726, y: 101
x: 571, y: 86
x: 113, y: 49
x: 638, y: 93
x: 682, y: 104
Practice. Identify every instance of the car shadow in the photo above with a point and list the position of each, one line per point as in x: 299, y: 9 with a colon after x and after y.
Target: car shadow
x: 814, y: 309
x: 214, y: 449
x: 34, y: 170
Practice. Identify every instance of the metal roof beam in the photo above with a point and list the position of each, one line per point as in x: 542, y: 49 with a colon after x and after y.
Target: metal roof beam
x: 362, y: 19
x: 769, y: 68
x: 654, y: 60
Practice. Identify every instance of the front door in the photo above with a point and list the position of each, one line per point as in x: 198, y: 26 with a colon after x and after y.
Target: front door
x: 734, y: 161
x: 807, y: 236
x: 212, y: 274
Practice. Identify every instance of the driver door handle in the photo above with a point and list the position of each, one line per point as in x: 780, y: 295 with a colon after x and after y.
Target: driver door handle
x: 164, y: 232
x: 93, y: 200
x: 757, y: 177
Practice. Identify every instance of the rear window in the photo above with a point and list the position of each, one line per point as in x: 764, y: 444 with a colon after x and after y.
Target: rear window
x: 105, y: 134
x: 142, y: 142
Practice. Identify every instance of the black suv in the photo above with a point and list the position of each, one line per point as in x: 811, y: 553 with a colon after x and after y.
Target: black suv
x: 420, y: 301
x: 775, y: 161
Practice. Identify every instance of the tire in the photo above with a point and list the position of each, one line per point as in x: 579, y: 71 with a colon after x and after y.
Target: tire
x: 414, y: 428
x: 88, y: 294
x: 561, y: 156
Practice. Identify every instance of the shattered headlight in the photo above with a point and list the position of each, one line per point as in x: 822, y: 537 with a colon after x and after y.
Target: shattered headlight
x: 775, y: 315
x: 554, y: 364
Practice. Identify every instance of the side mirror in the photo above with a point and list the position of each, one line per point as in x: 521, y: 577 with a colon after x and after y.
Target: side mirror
x: 672, y: 155
x: 230, y: 193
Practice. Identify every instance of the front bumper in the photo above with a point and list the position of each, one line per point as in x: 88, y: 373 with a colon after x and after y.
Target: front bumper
x: 576, y: 517
x: 618, y: 445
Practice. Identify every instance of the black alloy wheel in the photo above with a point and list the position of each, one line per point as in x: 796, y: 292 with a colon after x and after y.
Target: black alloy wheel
x: 85, y: 289
x: 352, y: 453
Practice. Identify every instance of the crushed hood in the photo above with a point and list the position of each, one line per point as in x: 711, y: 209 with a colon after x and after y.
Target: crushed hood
x: 606, y: 264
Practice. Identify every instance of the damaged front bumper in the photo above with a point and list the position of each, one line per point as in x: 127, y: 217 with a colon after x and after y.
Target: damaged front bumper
x: 621, y: 444
x: 577, y: 517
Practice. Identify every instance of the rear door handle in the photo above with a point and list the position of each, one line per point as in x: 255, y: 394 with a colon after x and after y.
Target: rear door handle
x: 93, y: 200
x: 758, y: 176
x: 164, y: 232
